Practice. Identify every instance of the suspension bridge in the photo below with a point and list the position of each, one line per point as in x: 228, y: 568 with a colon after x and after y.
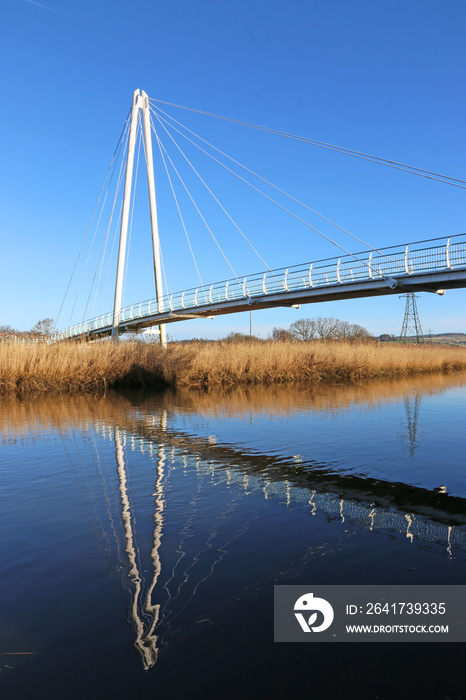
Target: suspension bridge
x: 433, y: 265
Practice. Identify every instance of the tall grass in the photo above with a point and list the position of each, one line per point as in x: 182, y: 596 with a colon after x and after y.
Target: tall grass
x: 97, y: 366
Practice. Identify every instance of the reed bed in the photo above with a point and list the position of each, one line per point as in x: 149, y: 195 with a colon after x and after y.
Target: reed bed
x: 61, y: 410
x: 100, y: 365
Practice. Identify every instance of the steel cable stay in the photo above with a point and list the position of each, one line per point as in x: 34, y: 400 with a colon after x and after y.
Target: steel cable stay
x: 429, y: 174
x: 162, y: 152
x: 213, y: 195
x: 263, y: 179
x: 199, y: 211
x: 220, y: 549
x: 110, y: 257
x: 110, y: 173
x: 95, y: 231
x: 179, y: 213
x: 165, y: 156
x: 164, y: 272
x: 102, y: 255
x: 91, y: 247
x: 115, y: 199
x: 160, y: 244
x: 177, y: 205
x: 104, y: 244
x: 281, y: 206
x: 184, y: 535
x: 98, y: 263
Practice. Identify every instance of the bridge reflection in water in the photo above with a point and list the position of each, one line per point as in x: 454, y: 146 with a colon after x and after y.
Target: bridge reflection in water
x: 146, y: 640
x: 418, y: 514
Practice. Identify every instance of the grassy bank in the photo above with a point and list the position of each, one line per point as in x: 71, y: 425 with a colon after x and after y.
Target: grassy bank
x: 97, y: 366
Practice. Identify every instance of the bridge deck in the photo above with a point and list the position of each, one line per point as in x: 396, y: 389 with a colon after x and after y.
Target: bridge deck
x: 416, y: 267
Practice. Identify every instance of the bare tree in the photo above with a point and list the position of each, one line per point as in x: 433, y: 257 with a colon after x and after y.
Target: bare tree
x: 327, y: 329
x: 43, y: 328
x: 358, y: 332
x: 343, y: 330
x: 7, y: 330
x: 235, y: 337
x: 281, y: 335
x: 303, y: 329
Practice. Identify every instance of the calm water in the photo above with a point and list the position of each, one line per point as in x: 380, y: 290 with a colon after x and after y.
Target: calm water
x: 142, y: 536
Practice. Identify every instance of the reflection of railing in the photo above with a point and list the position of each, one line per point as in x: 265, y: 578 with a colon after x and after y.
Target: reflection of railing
x: 296, y: 485
x: 396, y: 261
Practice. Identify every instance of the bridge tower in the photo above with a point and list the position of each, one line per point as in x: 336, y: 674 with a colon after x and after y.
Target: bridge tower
x: 411, y: 322
x: 140, y: 102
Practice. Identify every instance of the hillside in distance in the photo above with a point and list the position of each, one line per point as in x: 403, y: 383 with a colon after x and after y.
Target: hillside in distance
x: 446, y: 338
x: 434, y: 338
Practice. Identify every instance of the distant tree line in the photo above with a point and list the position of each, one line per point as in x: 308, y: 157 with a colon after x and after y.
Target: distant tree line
x: 308, y: 329
x: 303, y: 329
x: 42, y: 330
x: 321, y: 329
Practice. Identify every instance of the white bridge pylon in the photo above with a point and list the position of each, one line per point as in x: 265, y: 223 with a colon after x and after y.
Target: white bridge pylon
x: 140, y: 102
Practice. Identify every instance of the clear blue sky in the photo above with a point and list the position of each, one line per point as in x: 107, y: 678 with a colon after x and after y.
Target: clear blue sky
x: 380, y: 76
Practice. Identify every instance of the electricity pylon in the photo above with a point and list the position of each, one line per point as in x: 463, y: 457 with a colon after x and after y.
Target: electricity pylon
x: 411, y: 323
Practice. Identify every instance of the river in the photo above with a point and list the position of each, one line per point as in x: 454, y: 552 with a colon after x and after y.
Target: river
x: 143, y: 534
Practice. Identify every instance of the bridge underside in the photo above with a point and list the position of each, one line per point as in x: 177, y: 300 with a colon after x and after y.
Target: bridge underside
x: 437, y: 282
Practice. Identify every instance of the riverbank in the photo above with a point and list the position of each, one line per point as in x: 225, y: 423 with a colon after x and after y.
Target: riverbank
x: 97, y: 366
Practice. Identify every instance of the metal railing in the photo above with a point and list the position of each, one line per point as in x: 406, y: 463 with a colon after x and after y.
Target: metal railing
x: 395, y: 261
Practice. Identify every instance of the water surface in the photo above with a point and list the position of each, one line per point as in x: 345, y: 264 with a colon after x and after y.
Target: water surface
x: 142, y: 535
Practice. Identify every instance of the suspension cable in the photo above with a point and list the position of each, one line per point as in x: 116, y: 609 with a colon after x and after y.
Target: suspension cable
x: 288, y: 211
x: 94, y: 278
x: 267, y: 182
x: 91, y: 247
x: 429, y: 174
x: 114, y: 158
x: 107, y: 233
x: 110, y: 259
x: 200, y: 214
x: 160, y: 244
x: 163, y: 270
x: 213, y: 195
x: 177, y: 204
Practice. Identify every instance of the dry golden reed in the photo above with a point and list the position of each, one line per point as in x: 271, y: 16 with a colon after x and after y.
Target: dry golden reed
x: 63, y: 411
x: 99, y: 365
